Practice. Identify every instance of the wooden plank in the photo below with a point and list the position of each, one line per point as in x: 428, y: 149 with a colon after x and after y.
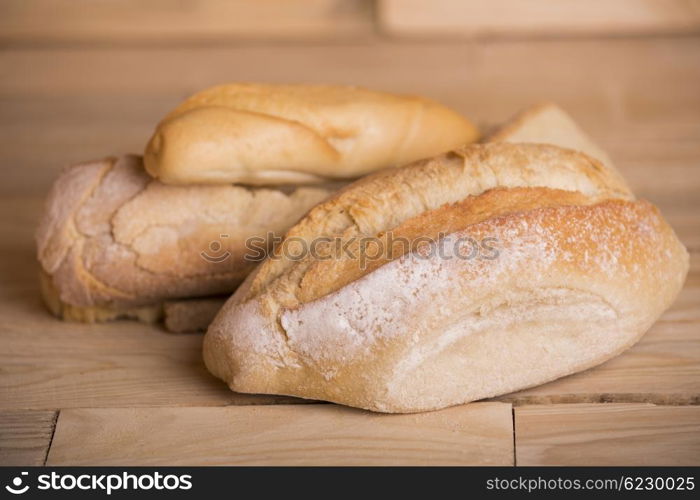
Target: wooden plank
x: 642, y: 106
x: 542, y: 18
x: 685, y: 221
x: 49, y: 364
x: 25, y: 436
x: 477, y: 434
x: 662, y: 368
x: 135, y: 21
x: 607, y: 434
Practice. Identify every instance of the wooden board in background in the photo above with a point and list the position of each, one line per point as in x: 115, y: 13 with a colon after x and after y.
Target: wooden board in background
x: 636, y: 97
x: 607, y: 434
x: 134, y: 21
x: 478, y: 434
x: 440, y: 18
x: 25, y: 436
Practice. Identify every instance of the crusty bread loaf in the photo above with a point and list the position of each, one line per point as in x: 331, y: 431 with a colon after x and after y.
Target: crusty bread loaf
x: 580, y: 271
x: 274, y: 134
x: 547, y: 123
x: 114, y: 242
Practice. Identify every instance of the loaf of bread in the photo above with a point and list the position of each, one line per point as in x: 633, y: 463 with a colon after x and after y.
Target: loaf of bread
x: 543, y: 123
x: 547, y: 123
x: 524, y: 263
x: 293, y: 134
x: 113, y: 242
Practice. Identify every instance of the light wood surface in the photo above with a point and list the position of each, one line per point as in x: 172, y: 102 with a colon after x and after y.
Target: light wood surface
x: 25, y: 436
x: 73, y: 88
x: 609, y: 434
x: 136, y: 21
x: 636, y: 97
x: 50, y: 364
x: 478, y: 434
x: 442, y: 18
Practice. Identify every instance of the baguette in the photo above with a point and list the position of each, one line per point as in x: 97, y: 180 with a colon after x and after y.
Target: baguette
x: 581, y: 271
x: 295, y: 134
x: 113, y: 242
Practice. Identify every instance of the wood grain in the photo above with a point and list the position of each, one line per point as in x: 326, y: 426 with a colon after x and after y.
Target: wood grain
x: 440, y: 18
x: 477, y: 434
x: 637, y: 98
x: 164, y: 21
x: 607, y: 434
x: 48, y: 364
x: 25, y: 436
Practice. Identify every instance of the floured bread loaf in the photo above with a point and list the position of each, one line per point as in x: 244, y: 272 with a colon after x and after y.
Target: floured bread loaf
x: 274, y: 134
x: 541, y: 264
x: 113, y: 242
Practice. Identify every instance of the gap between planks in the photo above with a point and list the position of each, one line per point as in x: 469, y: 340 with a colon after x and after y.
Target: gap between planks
x: 609, y: 434
x: 25, y: 436
x: 475, y: 434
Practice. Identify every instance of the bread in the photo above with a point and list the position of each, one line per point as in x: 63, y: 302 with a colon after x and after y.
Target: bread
x: 547, y: 123
x: 581, y: 270
x: 113, y: 242
x: 293, y: 134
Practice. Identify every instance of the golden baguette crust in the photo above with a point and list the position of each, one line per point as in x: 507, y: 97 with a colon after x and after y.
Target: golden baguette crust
x: 582, y: 271
x: 383, y: 200
x: 328, y: 275
x: 273, y: 134
x: 111, y: 238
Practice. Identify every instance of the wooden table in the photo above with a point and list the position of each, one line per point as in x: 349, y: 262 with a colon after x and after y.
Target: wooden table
x: 126, y: 393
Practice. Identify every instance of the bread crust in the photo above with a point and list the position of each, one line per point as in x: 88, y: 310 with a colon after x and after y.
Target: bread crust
x: 112, y: 239
x: 583, y: 270
x: 383, y: 200
x: 272, y: 134
x: 547, y: 123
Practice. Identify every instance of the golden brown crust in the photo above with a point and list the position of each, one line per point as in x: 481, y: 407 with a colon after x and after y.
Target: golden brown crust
x: 383, y: 200
x: 581, y: 272
x: 178, y: 316
x: 150, y: 313
x: 328, y: 275
x: 547, y: 123
x: 273, y: 134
